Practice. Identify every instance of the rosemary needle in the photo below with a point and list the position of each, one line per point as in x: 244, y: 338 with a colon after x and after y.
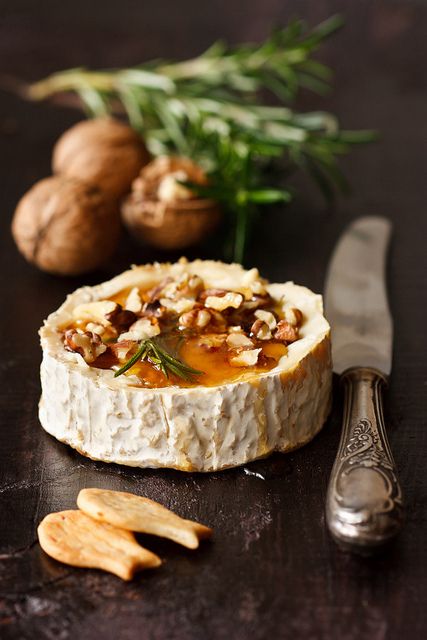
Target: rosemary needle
x: 164, y: 361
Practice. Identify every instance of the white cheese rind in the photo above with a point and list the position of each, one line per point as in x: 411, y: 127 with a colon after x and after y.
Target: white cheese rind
x: 191, y: 429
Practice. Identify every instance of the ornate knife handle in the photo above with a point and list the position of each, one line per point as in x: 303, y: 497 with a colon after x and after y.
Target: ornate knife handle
x: 364, y: 502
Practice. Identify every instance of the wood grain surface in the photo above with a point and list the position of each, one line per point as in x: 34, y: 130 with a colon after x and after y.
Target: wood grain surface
x: 271, y: 570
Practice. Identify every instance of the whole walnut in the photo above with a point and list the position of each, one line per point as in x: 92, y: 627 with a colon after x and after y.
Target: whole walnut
x: 66, y: 226
x: 103, y: 151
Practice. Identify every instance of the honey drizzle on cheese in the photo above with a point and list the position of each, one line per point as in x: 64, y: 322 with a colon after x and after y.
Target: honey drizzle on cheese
x: 212, y: 362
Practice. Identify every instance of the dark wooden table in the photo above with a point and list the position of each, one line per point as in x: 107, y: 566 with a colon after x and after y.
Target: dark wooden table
x: 272, y: 571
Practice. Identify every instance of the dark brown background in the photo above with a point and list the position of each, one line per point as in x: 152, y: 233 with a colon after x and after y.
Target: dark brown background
x: 272, y: 570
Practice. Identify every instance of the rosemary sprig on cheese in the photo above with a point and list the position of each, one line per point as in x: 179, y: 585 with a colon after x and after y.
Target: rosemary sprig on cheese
x: 151, y: 350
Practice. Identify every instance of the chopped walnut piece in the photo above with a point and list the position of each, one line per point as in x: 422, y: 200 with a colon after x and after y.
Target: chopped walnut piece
x: 256, y: 302
x: 212, y: 341
x: 186, y: 287
x: 267, y: 317
x: 95, y: 328
x: 266, y: 361
x: 203, y: 318
x: 293, y: 316
x: 218, y: 321
x: 261, y: 330
x: 235, y: 340
x: 86, y: 343
x: 286, y: 332
x: 133, y: 301
x: 121, y: 318
x: 153, y: 309
x: 171, y: 291
x: 123, y: 349
x: 219, y: 293
x: 177, y: 306
x: 193, y: 287
x: 97, y: 312
x: 220, y: 303
x: 155, y: 292
x: 247, y: 358
x: 235, y: 329
x: 195, y: 319
x: 246, y: 292
x: 142, y: 329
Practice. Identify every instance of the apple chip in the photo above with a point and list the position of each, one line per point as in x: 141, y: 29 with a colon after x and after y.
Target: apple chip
x: 135, y: 513
x: 74, y: 538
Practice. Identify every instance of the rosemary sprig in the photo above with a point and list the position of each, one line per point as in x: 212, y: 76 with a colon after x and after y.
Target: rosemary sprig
x: 236, y: 181
x: 155, y: 353
x: 221, y: 88
x: 281, y: 63
x: 239, y: 177
x: 213, y: 108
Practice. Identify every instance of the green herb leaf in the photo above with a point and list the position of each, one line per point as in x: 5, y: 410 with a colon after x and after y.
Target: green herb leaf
x: 139, y: 355
x: 268, y: 196
x: 152, y: 351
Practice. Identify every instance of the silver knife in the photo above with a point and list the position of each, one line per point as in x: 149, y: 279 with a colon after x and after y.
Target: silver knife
x: 364, y: 500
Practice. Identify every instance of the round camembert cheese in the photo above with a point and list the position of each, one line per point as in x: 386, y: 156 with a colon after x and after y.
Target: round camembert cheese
x: 258, y: 389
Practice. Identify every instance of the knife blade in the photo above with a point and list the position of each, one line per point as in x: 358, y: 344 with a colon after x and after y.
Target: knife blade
x: 356, y: 299
x: 364, y: 500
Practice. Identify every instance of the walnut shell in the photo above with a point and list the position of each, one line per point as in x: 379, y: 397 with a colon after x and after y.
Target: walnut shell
x: 66, y: 226
x: 169, y: 224
x: 103, y: 151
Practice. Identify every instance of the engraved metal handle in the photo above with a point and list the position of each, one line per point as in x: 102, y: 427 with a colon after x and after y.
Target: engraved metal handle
x: 364, y: 501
